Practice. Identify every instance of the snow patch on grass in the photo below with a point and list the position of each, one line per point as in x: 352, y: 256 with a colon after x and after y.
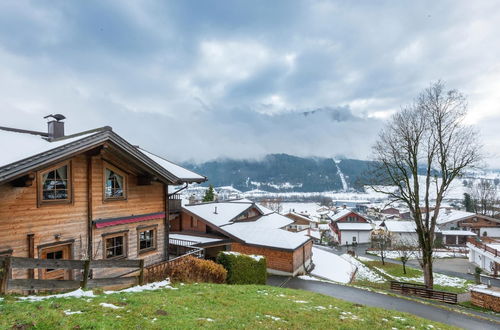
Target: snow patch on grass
x: 147, y: 287
x: 73, y: 294
x: 69, y: 312
x: 363, y: 273
x: 110, y: 306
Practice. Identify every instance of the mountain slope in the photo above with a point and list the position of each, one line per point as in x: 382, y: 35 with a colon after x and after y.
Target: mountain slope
x: 282, y: 172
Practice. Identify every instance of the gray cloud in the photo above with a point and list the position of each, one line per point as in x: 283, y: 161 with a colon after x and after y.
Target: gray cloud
x: 200, y: 80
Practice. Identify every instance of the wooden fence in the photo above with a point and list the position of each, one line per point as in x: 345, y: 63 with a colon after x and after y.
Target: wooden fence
x: 421, y: 291
x: 8, y: 263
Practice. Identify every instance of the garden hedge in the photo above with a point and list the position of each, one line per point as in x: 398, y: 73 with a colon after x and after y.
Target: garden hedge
x: 242, y: 268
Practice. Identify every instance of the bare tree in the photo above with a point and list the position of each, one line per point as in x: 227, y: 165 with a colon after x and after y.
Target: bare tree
x: 274, y: 204
x: 381, y: 239
x: 405, y: 251
x: 426, y: 138
x: 484, y: 196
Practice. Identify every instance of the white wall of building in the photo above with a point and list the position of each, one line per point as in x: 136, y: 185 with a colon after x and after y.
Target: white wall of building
x: 482, y: 258
x: 361, y: 236
x: 490, y: 231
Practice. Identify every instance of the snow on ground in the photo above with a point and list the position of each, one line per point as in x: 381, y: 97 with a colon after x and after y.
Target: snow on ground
x: 69, y: 312
x: 393, y: 254
x: 110, y: 306
x: 363, y: 272
x: 439, y: 279
x: 147, y: 287
x: 73, y: 294
x: 89, y: 294
x: 331, y: 267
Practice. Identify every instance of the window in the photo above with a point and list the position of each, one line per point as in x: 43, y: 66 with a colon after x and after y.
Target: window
x: 147, y: 239
x: 115, y: 246
x: 351, y: 219
x: 114, y: 184
x: 54, y: 184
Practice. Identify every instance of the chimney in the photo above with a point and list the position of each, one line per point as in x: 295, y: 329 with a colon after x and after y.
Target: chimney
x: 215, y: 211
x: 56, y: 126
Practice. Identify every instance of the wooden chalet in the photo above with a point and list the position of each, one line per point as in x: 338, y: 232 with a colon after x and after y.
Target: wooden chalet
x: 350, y: 227
x: 482, y: 225
x: 242, y: 226
x: 300, y: 222
x: 90, y: 195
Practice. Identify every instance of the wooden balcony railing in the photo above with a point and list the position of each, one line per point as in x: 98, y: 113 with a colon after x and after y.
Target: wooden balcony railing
x: 483, y: 246
x: 174, y: 203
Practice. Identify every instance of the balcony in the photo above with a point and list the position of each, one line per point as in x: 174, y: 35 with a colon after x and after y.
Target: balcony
x: 174, y: 204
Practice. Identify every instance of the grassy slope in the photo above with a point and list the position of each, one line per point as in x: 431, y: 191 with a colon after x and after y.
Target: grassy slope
x: 191, y: 305
x: 397, y: 270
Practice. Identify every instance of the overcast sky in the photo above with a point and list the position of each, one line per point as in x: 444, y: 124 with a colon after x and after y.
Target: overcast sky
x: 197, y: 80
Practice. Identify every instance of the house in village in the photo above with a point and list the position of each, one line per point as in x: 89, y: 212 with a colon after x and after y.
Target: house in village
x: 400, y: 232
x: 350, y: 227
x: 485, y: 253
x: 86, y: 195
x: 300, y: 222
x: 243, y: 226
x: 482, y: 225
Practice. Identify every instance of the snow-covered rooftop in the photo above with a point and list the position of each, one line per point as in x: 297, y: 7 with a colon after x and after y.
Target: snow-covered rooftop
x: 401, y: 226
x: 342, y: 213
x: 19, y: 146
x: 447, y: 215
x: 178, y: 171
x: 197, y: 239
x: 458, y: 232
x: 265, y: 230
x: 354, y: 226
x: 219, y: 213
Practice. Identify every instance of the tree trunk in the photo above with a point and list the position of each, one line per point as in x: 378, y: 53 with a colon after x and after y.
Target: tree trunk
x: 404, y: 267
x: 427, y: 268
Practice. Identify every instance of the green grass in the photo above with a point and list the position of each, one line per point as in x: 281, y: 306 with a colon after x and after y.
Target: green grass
x: 206, y: 305
x: 397, y: 271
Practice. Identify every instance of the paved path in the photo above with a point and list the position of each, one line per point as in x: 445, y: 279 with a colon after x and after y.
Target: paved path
x: 368, y: 298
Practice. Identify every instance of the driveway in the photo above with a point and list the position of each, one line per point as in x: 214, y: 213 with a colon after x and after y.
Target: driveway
x: 373, y: 299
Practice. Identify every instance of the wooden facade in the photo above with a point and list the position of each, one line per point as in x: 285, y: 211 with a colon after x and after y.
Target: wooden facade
x: 31, y: 227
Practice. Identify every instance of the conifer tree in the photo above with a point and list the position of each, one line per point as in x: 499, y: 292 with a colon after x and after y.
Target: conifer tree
x: 209, y: 194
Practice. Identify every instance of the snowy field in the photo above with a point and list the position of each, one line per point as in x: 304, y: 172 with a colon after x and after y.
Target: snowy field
x: 416, y: 254
x: 331, y: 267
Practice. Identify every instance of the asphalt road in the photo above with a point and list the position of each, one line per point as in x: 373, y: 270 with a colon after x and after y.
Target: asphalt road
x: 368, y: 298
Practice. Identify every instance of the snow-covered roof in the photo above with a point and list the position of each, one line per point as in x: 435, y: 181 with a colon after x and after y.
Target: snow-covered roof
x: 354, y: 226
x: 265, y: 230
x: 342, y: 213
x: 401, y: 226
x: 196, y: 239
x: 18, y: 146
x: 24, y: 152
x: 218, y: 213
x: 458, y: 232
x: 311, y: 233
x: 447, y: 215
x: 178, y: 171
x: 301, y: 216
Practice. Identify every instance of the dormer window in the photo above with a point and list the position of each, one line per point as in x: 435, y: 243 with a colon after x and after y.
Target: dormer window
x: 114, y: 184
x: 55, y: 184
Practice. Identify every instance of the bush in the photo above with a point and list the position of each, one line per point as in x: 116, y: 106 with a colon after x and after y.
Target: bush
x: 191, y: 269
x: 242, y: 268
